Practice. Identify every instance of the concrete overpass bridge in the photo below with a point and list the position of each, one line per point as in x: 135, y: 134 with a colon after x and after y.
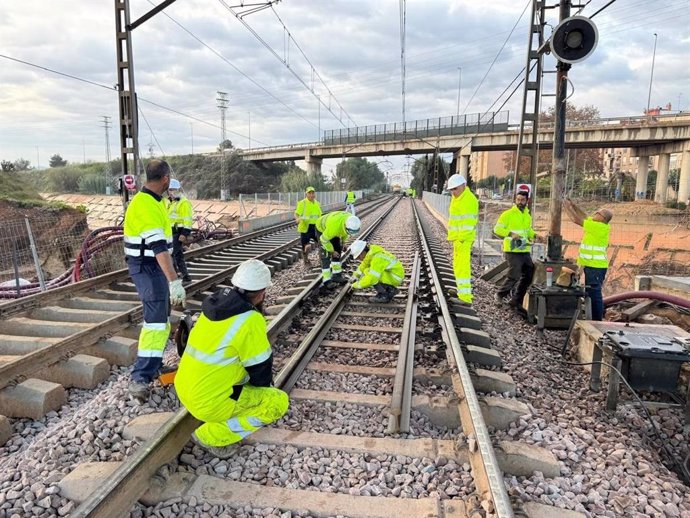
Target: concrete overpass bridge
x: 660, y: 135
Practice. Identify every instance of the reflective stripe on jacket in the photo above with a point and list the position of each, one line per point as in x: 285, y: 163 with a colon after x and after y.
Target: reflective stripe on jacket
x: 216, y: 358
x: 463, y: 214
x: 308, y: 212
x: 147, y: 226
x: 350, y: 197
x: 330, y: 226
x: 181, y: 214
x: 378, y: 263
x: 595, y: 242
x: 515, y: 220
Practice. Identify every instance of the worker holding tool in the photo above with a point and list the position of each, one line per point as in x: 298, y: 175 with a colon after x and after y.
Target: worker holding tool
x: 335, y: 228
x: 378, y: 268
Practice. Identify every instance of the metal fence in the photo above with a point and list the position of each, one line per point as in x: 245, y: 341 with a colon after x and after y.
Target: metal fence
x: 424, y: 128
x: 261, y: 210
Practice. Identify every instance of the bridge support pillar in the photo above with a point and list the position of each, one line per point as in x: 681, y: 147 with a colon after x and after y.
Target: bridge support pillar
x: 641, y: 179
x: 313, y: 165
x: 463, y: 163
x: 684, y: 183
x: 661, y: 190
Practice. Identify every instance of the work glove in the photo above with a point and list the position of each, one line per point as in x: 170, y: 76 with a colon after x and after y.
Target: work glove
x: 177, y: 293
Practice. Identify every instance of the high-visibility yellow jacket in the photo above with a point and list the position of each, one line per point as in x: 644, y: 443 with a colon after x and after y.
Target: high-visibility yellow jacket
x: 379, y: 265
x: 308, y: 212
x: 350, y: 198
x: 594, y: 244
x: 463, y: 214
x: 520, y: 222
x: 147, y: 229
x: 181, y: 215
x: 330, y: 226
x: 227, y: 348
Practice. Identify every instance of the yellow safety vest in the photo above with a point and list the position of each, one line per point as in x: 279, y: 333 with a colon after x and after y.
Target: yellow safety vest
x: 350, y: 197
x: 181, y: 214
x: 146, y: 222
x: 330, y: 226
x: 595, y: 241
x: 515, y: 220
x: 377, y: 263
x: 309, y: 213
x: 215, y: 358
x: 463, y: 215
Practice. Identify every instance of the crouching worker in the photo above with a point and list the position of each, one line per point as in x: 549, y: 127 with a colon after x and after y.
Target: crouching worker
x: 225, y: 374
x: 378, y: 268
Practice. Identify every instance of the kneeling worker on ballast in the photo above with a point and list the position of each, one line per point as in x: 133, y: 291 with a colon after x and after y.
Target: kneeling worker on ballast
x: 225, y: 374
x: 335, y: 229
x: 379, y: 268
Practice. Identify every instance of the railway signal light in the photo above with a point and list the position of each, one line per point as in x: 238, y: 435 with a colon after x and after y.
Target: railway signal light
x: 574, y: 39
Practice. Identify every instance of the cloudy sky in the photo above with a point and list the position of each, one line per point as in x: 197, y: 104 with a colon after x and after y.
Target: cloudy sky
x: 197, y: 47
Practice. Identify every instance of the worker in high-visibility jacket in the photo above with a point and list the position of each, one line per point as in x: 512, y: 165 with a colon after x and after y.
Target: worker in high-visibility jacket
x: 593, y: 251
x: 350, y: 202
x: 225, y: 374
x: 307, y: 213
x: 334, y: 229
x: 462, y: 230
x: 148, y: 243
x: 515, y: 227
x: 181, y: 216
x: 378, y: 268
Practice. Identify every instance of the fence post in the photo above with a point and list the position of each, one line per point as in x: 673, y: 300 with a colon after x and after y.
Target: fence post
x: 15, y: 263
x: 34, y: 252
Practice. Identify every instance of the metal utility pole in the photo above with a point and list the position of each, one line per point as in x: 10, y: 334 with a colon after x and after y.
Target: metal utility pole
x: 222, y: 106
x: 651, y: 77
x: 191, y: 129
x: 403, y: 23
x: 127, y: 100
x: 555, y: 239
x: 249, y: 129
x: 108, y: 172
x: 459, y: 90
x: 531, y: 100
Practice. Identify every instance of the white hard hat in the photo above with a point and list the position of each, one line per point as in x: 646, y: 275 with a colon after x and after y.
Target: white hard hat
x: 252, y: 275
x: 352, y: 225
x: 357, y: 247
x: 456, y: 180
x: 174, y: 184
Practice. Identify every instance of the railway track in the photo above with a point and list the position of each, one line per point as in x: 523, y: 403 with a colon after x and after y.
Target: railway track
x: 384, y: 420
x: 70, y: 336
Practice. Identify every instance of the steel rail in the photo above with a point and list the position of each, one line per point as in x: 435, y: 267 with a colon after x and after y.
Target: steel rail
x: 23, y: 366
x: 129, y: 482
x: 487, y: 474
x: 399, y: 417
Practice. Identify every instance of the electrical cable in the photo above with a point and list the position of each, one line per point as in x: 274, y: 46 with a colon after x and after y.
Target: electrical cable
x: 529, y: 2
x: 151, y: 130
x: 597, y: 12
x: 683, y: 468
x: 59, y: 73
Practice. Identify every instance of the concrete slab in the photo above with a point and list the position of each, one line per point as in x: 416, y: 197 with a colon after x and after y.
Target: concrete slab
x: 441, y: 411
x: 535, y: 510
x: 522, y: 459
x: 81, y: 371
x: 20, y: 345
x: 359, y: 345
x: 500, y: 412
x: 5, y: 430
x: 58, y: 314
x: 216, y: 491
x: 483, y: 356
x: 383, y: 372
x: 346, y: 397
x: 493, y: 381
x: 31, y: 327
x: 474, y: 337
x: 32, y: 398
x: 117, y: 350
x: 466, y: 321
x: 175, y: 487
x: 144, y: 427
x: 86, y: 479
x: 115, y: 295
x: 88, y: 303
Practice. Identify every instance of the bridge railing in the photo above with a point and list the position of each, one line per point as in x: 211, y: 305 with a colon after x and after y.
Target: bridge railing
x: 424, y: 128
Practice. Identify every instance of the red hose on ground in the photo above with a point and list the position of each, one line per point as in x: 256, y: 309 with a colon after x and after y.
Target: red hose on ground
x: 654, y: 295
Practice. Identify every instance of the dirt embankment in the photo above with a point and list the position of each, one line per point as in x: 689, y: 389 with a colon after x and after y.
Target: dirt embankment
x: 58, y: 233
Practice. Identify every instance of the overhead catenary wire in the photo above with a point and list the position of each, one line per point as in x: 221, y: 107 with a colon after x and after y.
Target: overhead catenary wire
x: 151, y: 130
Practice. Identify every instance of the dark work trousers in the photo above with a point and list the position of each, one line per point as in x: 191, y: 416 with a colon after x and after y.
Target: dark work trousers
x: 329, y: 267
x: 178, y: 256
x: 153, y: 291
x: 385, y: 290
x: 594, y: 279
x: 310, y: 235
x: 520, y: 273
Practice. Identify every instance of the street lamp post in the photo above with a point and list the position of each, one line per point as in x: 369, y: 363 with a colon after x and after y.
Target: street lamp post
x: 651, y: 76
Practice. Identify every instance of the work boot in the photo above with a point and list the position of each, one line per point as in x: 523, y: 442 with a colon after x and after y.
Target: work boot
x: 222, y: 452
x: 329, y: 285
x: 501, y: 299
x: 186, y: 279
x: 139, y: 390
x: 338, y: 278
x: 392, y: 292
x: 305, y: 255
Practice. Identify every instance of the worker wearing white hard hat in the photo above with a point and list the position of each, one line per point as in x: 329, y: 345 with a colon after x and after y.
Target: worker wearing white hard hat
x: 334, y: 229
x: 379, y: 269
x: 181, y: 216
x: 225, y: 374
x: 463, y: 214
